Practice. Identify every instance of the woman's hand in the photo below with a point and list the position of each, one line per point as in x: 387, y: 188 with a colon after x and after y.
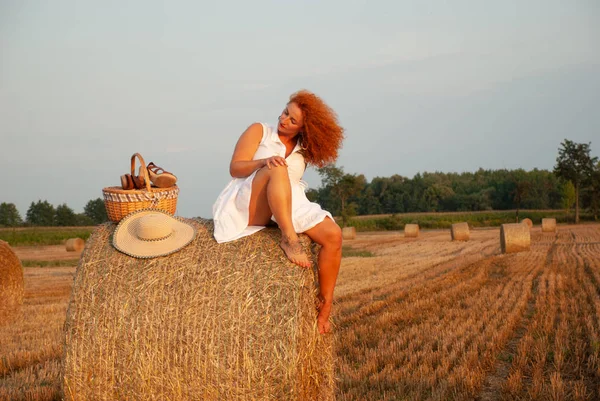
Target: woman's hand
x: 275, y: 161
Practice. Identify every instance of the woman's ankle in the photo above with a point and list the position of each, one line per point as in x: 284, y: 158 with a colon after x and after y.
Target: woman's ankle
x: 324, y: 301
x: 294, y: 251
x: 290, y: 238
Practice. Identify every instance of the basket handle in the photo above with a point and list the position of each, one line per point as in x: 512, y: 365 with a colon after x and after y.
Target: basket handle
x: 144, y: 169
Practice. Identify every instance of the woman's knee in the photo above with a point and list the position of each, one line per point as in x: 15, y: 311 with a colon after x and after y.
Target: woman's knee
x: 279, y: 171
x: 333, y: 236
x: 265, y: 177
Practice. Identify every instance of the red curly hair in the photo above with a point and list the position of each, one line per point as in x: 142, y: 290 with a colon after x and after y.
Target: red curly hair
x: 321, y: 135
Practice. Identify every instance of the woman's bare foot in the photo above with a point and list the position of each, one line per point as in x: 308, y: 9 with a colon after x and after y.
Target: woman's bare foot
x: 324, y: 309
x: 294, y: 252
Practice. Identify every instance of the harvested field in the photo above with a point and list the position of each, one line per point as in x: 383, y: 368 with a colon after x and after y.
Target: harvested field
x: 475, y: 325
x: 422, y: 319
x: 45, y: 252
x: 31, y: 347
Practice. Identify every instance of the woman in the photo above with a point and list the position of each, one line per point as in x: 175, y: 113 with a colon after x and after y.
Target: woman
x: 267, y: 166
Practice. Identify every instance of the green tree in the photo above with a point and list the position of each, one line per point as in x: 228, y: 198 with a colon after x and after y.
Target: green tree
x: 593, y: 192
x: 369, y: 203
x: 387, y: 194
x: 65, y: 216
x: 96, y: 211
x: 437, y: 195
x: 341, y: 188
x: 350, y: 187
x: 83, y: 220
x: 568, y: 196
x: 545, y: 191
x: 40, y: 214
x: 9, y: 215
x: 312, y: 195
x: 575, y: 164
x: 521, y: 188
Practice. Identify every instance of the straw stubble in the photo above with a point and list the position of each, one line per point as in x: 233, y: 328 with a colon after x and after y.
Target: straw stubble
x: 231, y: 321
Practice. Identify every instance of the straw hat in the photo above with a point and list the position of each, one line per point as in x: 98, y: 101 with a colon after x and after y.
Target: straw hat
x: 149, y: 233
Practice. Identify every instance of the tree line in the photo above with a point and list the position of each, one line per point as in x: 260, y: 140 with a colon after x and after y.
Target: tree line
x: 42, y: 213
x: 574, y: 182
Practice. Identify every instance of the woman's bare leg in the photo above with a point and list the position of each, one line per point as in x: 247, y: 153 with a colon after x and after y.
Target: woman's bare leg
x: 329, y: 235
x: 272, y: 196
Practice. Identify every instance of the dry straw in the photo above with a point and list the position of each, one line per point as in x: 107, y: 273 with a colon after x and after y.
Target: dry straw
x: 528, y: 222
x: 348, y: 232
x: 514, y: 237
x: 75, y: 244
x: 460, y: 232
x: 411, y: 230
x: 11, y: 282
x: 232, y: 321
x: 548, y: 225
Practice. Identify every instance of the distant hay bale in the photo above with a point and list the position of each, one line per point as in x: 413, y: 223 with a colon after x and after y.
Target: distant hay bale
x: 528, y: 222
x: 548, y: 225
x: 514, y: 237
x: 11, y: 282
x: 75, y: 245
x: 411, y: 230
x: 460, y: 232
x: 348, y: 232
x: 232, y: 321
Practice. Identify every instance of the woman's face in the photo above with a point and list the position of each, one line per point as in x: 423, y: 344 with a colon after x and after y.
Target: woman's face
x: 290, y: 120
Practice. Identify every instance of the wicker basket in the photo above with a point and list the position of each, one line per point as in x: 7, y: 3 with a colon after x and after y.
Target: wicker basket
x: 120, y: 202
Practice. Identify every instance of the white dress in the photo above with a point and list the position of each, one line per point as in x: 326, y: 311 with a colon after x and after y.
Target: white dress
x: 230, y: 211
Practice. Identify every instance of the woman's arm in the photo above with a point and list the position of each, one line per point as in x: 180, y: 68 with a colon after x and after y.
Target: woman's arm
x: 242, y: 164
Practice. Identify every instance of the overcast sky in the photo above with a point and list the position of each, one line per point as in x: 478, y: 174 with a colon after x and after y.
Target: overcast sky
x: 418, y: 85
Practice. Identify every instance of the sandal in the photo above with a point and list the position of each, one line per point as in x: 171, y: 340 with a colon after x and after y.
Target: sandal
x: 160, y: 177
x: 127, y: 182
x: 138, y: 181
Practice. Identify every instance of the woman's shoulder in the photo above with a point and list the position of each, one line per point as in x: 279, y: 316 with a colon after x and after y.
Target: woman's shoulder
x: 255, y: 130
x: 260, y: 127
x: 264, y: 126
x: 266, y: 130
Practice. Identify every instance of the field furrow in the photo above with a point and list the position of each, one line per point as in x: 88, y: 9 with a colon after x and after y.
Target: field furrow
x: 31, y: 345
x: 555, y: 357
x: 437, y: 337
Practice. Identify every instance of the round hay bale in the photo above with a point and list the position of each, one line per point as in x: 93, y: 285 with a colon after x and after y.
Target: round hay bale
x: 548, y: 225
x: 460, y: 232
x: 528, y: 222
x: 75, y: 245
x: 348, y: 232
x: 411, y: 230
x: 232, y: 321
x: 514, y: 237
x: 11, y: 282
